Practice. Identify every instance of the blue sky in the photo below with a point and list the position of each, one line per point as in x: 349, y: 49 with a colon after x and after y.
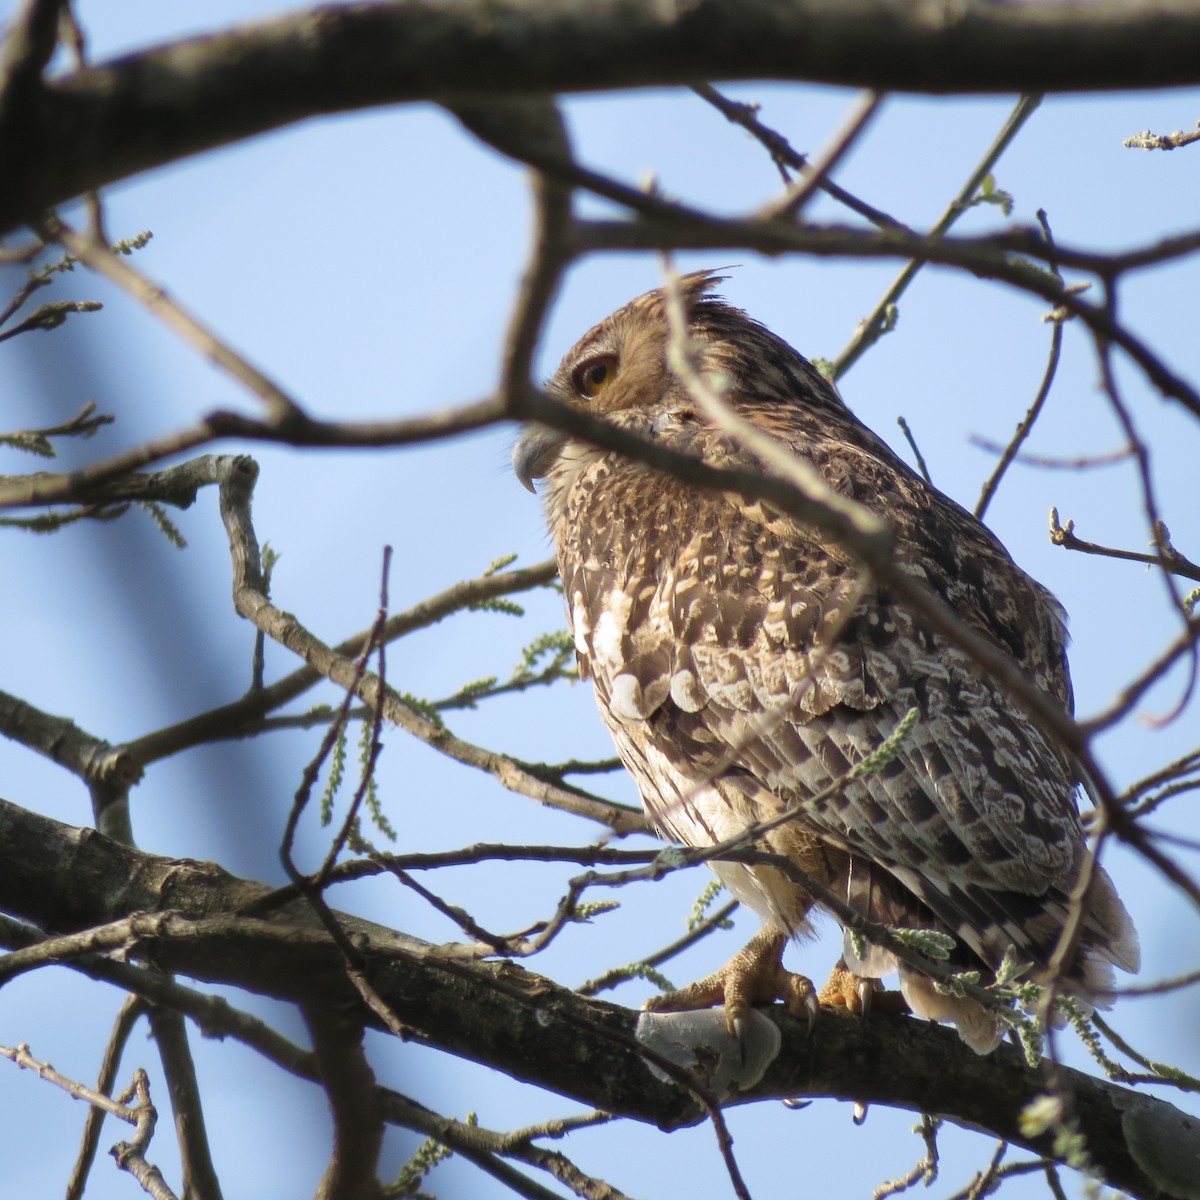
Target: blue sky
x: 368, y: 263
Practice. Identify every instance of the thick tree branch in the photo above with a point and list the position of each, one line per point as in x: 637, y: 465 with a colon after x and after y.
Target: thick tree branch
x: 108, y: 122
x: 66, y: 879
x: 91, y: 758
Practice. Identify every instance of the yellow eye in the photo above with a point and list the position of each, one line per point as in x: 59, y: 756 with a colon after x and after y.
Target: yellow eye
x: 590, y: 378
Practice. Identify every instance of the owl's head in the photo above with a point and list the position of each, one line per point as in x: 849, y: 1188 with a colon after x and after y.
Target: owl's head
x: 622, y: 362
x: 620, y: 369
x: 618, y: 365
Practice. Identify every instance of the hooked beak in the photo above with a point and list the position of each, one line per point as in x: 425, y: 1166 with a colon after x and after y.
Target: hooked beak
x: 535, y: 452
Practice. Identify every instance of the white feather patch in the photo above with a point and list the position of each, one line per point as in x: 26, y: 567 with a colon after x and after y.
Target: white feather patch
x: 580, y: 627
x: 626, y: 698
x: 686, y: 692
x: 609, y: 634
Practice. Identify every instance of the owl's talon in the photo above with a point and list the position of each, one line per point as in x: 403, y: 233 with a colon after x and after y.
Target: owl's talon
x: 740, y: 1030
x: 866, y: 991
x: 859, y: 995
x: 754, y: 975
x: 812, y: 1008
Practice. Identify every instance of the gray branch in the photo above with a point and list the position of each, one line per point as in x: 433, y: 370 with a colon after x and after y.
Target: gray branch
x: 91, y: 127
x: 195, y: 919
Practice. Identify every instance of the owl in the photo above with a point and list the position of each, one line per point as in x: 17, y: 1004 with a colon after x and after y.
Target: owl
x: 744, y: 663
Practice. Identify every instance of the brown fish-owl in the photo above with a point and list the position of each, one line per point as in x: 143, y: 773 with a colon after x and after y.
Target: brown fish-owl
x: 744, y: 663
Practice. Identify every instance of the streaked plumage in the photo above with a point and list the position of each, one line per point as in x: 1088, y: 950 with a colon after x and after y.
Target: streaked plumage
x: 738, y: 674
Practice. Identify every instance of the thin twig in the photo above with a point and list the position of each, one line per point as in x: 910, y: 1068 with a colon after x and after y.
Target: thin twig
x: 130, y: 1156
x: 83, y: 424
x: 1185, y: 644
x: 616, y: 975
x: 343, y: 671
x: 912, y: 441
x: 869, y: 330
x: 1024, y: 429
x: 792, y: 203
x: 50, y: 316
x: 93, y: 252
x: 378, y: 644
x: 248, y: 583
x: 1049, y: 462
x: 784, y: 157
x: 1158, y: 1072
x: 1168, y: 558
x: 926, y: 1170
x: 132, y: 1008
x: 240, y: 718
x: 1162, y: 141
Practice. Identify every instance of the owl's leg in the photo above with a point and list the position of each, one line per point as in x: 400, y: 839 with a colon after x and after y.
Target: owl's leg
x: 755, y: 975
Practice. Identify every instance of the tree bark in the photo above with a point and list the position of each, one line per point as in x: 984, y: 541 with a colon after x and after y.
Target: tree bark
x: 89, y: 128
x: 195, y: 919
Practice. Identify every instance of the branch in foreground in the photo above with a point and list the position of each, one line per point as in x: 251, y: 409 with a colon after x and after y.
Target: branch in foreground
x: 104, y: 123
x: 199, y: 1173
x: 91, y: 250
x: 1000, y: 257
x: 532, y: 1029
x: 99, y: 481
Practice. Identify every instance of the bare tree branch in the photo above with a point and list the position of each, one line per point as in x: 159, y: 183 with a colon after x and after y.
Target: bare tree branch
x: 872, y: 327
x: 93, y: 252
x: 133, y: 1008
x: 126, y: 918
x: 295, y: 430
x: 251, y: 602
x: 349, y: 1083
x: 1023, y: 430
x: 1168, y: 558
x: 199, y: 1173
x: 784, y: 157
x: 1162, y: 141
x: 522, y: 1023
x: 107, y: 122
x: 131, y: 1155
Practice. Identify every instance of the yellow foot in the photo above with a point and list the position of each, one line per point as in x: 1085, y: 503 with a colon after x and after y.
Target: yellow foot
x: 858, y: 995
x: 754, y: 975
